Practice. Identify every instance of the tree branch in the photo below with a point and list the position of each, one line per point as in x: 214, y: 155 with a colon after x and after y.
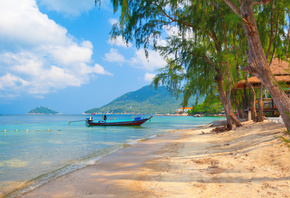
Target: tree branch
x: 257, y: 2
x: 204, y: 57
x: 233, y: 7
x: 188, y: 25
x: 271, y: 33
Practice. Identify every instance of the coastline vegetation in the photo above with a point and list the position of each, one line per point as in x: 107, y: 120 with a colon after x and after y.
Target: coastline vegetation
x: 211, y: 45
x: 211, y: 105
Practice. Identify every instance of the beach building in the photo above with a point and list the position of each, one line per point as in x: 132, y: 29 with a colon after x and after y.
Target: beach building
x: 280, y: 70
x: 183, y: 110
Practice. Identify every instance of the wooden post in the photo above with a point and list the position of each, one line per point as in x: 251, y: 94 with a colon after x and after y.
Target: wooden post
x: 249, y: 115
x: 245, y: 98
x: 272, y: 112
x: 249, y: 99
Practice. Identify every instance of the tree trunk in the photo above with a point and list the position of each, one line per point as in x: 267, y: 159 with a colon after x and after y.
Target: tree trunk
x: 254, y: 111
x: 224, y: 99
x: 230, y: 109
x: 238, y: 105
x: 229, y: 91
x: 251, y: 88
x: 258, y: 64
x: 219, y: 81
x: 260, y: 117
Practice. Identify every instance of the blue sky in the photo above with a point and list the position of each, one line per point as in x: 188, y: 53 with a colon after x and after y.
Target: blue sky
x: 59, y: 54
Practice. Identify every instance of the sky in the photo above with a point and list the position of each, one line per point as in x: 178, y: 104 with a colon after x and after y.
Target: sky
x: 59, y: 54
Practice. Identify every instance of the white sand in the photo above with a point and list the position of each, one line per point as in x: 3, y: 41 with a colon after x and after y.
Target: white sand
x: 248, y: 162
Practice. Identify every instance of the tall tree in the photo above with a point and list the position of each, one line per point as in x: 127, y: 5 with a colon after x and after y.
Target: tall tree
x: 205, y: 40
x: 144, y: 20
x: 258, y: 64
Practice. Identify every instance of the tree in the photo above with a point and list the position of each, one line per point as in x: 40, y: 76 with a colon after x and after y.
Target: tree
x: 257, y: 62
x: 204, y: 48
x: 144, y: 20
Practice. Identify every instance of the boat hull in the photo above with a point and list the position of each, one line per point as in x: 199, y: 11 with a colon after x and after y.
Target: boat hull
x: 123, y: 123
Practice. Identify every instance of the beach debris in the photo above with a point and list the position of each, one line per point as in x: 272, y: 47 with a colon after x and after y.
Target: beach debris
x: 220, y: 129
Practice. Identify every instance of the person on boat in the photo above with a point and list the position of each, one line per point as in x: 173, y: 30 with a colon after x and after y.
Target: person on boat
x: 104, y: 117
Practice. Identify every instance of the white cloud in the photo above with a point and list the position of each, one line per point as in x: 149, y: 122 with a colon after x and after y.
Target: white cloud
x: 98, y: 69
x: 113, y: 21
x: 149, y: 77
x: 114, y: 56
x: 38, y: 56
x: 10, y: 81
x: 119, y: 41
x: 139, y: 60
x: 174, y: 31
x: 69, y: 7
x: 22, y: 23
x: 154, y: 61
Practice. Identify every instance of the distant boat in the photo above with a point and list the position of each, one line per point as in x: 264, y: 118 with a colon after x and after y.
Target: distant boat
x: 133, y: 122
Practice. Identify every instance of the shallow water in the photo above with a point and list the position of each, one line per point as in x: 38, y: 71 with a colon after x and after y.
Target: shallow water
x: 40, y: 148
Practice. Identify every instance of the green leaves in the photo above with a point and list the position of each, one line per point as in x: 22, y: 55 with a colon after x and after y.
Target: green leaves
x: 209, y: 43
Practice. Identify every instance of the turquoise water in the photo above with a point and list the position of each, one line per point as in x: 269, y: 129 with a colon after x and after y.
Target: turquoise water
x: 40, y: 148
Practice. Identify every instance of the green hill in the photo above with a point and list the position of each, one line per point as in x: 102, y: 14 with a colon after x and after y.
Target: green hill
x: 42, y: 110
x: 146, y: 100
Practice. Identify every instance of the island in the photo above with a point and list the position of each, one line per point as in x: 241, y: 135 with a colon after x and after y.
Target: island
x: 146, y: 100
x: 43, y: 110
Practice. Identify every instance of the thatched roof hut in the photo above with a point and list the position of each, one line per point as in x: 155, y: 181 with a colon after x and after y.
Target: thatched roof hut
x: 279, y: 68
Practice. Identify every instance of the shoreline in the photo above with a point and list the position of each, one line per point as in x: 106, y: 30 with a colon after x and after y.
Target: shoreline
x: 134, y: 156
x: 189, y: 159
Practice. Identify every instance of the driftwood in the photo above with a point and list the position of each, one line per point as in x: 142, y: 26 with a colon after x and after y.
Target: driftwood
x: 219, y: 129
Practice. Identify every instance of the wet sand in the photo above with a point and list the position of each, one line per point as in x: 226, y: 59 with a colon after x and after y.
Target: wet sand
x: 250, y: 161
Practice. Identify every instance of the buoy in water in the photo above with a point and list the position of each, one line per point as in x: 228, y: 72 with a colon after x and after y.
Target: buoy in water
x: 37, y: 130
x: 48, y: 129
x: 27, y: 130
x: 59, y: 129
x: 5, y: 130
x: 16, y: 130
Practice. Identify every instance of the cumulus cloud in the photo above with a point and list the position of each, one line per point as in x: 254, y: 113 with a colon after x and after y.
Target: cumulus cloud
x: 149, y: 77
x: 153, y: 62
x: 98, y: 69
x: 38, y: 56
x: 139, y: 60
x: 114, y: 56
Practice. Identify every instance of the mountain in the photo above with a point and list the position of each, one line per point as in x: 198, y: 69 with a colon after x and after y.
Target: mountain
x: 146, y: 100
x: 42, y: 110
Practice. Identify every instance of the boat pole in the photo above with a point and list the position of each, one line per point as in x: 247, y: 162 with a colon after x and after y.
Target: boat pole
x: 76, y: 121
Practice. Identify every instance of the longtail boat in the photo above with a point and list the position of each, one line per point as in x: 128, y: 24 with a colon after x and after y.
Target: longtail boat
x: 133, y: 122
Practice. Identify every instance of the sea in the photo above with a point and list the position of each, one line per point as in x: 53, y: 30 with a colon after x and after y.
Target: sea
x: 35, y: 149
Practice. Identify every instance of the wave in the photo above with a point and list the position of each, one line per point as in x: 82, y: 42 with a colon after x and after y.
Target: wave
x: 45, y: 178
x: 89, y: 160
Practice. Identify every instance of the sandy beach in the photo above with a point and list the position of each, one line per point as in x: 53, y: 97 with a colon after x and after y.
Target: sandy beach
x: 250, y: 161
